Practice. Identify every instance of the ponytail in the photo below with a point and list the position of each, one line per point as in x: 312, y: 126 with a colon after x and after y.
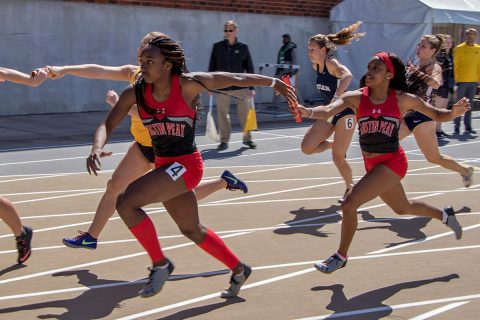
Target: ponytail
x: 342, y: 37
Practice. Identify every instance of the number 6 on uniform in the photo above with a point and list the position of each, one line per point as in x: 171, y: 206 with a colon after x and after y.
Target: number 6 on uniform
x: 175, y: 171
x: 349, y: 123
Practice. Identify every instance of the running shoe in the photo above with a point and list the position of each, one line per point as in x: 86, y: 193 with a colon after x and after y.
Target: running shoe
x: 83, y: 240
x: 452, y: 222
x: 222, y: 146
x: 333, y: 263
x: 236, y: 282
x: 468, y: 179
x: 250, y: 144
x: 24, y: 245
x: 233, y: 183
x: 157, y: 278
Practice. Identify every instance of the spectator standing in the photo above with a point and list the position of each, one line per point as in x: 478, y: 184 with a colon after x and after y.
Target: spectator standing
x: 231, y: 55
x: 466, y: 67
x: 286, y: 55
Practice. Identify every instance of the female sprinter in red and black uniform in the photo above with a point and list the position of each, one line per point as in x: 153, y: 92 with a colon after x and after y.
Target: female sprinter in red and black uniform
x: 379, y: 107
x: 333, y: 79
x: 139, y: 157
x: 166, y: 96
x: 8, y: 213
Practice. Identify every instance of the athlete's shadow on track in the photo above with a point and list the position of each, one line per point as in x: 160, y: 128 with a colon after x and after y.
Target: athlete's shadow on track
x: 95, y: 303
x: 12, y: 268
x: 309, y: 221
x: 198, y: 311
x: 371, y: 302
x: 208, y: 154
x: 405, y: 228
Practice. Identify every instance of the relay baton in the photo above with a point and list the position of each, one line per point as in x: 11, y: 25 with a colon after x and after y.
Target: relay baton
x: 297, y: 116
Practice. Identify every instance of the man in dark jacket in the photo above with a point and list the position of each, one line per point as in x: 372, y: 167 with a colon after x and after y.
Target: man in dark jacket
x: 231, y: 55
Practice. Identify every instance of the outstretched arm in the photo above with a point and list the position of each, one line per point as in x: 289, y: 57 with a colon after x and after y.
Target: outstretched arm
x: 22, y: 78
x: 407, y: 101
x: 350, y: 99
x: 95, y: 71
x: 114, y: 117
x: 202, y: 81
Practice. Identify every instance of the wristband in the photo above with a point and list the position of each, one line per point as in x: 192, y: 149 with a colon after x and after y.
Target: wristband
x: 311, y: 113
x: 274, y: 80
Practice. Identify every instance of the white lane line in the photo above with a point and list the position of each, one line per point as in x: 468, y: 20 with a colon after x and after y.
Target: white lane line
x: 215, y: 295
x: 292, y: 224
x: 276, y: 192
x: 285, y: 265
x: 114, y: 154
x: 394, y: 307
x: 438, y: 311
x: 50, y: 192
x: 246, y: 287
x: 441, y: 235
x: 55, y: 175
x: 208, y: 204
x: 93, y: 263
x: 58, y: 197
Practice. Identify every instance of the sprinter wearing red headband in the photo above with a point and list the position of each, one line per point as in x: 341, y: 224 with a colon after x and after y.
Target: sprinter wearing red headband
x: 379, y: 107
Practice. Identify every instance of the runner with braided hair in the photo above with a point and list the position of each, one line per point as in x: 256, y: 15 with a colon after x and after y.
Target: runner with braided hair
x: 167, y: 98
x: 139, y: 157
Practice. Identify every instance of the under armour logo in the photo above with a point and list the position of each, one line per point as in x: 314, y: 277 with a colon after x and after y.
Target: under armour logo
x: 162, y: 110
x: 377, y: 111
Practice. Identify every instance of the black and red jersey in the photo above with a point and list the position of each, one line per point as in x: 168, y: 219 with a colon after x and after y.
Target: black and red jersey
x: 378, y: 124
x: 170, y: 123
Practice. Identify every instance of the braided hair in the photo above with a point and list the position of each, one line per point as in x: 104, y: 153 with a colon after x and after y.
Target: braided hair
x: 174, y: 54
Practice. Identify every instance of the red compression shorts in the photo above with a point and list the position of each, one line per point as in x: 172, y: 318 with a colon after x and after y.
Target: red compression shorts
x: 395, y: 161
x: 192, y: 164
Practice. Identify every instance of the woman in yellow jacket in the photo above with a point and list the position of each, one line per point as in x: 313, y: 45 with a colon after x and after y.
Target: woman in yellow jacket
x: 139, y: 158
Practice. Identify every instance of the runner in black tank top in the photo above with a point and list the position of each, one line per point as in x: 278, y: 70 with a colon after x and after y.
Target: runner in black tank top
x: 332, y: 79
x: 379, y: 108
x: 167, y: 97
x: 422, y: 126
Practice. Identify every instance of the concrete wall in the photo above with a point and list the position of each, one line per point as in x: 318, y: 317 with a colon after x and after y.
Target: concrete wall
x: 34, y: 33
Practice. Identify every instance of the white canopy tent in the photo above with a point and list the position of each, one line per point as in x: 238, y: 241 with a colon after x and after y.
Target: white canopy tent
x: 395, y: 26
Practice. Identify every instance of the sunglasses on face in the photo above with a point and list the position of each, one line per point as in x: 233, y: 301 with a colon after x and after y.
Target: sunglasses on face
x: 226, y: 30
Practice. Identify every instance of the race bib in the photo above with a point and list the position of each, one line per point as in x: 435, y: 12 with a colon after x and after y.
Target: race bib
x: 175, y: 171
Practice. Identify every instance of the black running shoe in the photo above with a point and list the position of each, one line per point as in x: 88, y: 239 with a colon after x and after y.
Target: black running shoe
x: 24, y: 245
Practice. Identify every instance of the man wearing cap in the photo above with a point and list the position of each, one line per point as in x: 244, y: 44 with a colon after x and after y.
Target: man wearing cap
x: 286, y: 55
x: 466, y: 69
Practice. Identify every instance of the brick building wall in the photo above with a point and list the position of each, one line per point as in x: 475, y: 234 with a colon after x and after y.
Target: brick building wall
x: 311, y: 8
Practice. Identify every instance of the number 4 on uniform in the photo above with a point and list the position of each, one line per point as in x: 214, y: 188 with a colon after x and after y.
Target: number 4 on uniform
x: 175, y: 171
